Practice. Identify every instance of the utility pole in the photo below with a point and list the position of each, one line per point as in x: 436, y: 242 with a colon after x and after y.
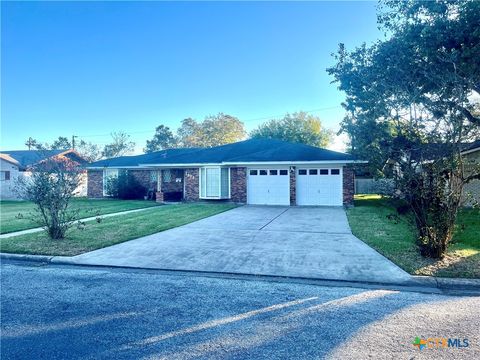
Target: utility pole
x: 73, y: 141
x: 29, y: 143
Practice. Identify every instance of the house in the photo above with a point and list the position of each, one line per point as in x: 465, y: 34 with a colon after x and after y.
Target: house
x: 20, y: 162
x: 366, y: 183
x: 471, y: 156
x: 255, y: 171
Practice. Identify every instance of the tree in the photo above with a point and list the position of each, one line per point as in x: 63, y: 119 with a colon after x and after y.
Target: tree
x: 214, y: 130
x: 51, y: 187
x: 409, y: 92
x: 62, y: 143
x: 298, y: 127
x: 120, y: 146
x: 89, y: 151
x: 188, y: 133
x: 163, y: 139
x: 220, y: 129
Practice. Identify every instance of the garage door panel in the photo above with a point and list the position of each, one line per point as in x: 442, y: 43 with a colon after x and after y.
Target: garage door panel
x: 319, y: 187
x: 268, y: 187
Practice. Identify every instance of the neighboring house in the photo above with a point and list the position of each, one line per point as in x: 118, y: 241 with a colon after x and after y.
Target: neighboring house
x: 256, y: 171
x: 365, y: 182
x: 471, y: 156
x: 20, y: 162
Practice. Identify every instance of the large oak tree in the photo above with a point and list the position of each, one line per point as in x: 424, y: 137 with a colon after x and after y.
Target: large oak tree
x: 417, y: 88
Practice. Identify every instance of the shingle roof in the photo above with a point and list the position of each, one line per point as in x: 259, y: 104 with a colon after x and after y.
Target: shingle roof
x: 137, y: 160
x: 253, y: 150
x: 26, y: 158
x: 431, y: 151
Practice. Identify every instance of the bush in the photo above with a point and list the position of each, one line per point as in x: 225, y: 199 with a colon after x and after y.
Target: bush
x: 125, y: 187
x: 51, y: 187
x: 434, y: 198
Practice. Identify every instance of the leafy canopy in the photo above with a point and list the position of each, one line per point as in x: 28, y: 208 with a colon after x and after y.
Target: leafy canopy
x: 298, y: 127
x: 416, y: 90
x: 214, y: 130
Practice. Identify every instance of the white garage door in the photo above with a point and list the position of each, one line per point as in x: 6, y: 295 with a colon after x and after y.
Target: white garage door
x: 268, y: 187
x: 319, y: 186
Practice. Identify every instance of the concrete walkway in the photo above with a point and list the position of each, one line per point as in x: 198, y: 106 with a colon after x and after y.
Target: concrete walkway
x: 311, y: 242
x: 34, y: 230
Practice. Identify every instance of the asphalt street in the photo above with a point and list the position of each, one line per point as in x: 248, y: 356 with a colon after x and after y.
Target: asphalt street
x: 65, y: 312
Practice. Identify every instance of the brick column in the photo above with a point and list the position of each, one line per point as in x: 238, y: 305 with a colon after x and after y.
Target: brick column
x: 293, y: 186
x: 191, y: 185
x: 348, y: 186
x: 159, y: 197
x: 238, y: 184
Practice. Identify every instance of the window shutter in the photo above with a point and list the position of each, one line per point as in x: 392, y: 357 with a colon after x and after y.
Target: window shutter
x: 7, y: 175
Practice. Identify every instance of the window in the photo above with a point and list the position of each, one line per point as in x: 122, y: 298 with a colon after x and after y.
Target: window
x: 302, y: 172
x: 4, y: 175
x: 225, y: 179
x: 253, y: 172
x: 263, y: 172
x: 323, y: 171
x: 108, y: 174
x: 166, y: 176
x: 273, y: 172
x: 153, y: 176
x: 283, y: 172
x: 313, y: 172
x: 335, y: 172
x: 214, y: 183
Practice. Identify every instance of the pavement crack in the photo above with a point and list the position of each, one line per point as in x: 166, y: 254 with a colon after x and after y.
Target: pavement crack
x: 276, y: 217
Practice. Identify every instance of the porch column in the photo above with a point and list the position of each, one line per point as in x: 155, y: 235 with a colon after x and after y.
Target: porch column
x: 159, y: 193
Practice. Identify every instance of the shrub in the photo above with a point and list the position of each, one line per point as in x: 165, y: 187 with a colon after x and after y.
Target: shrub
x: 51, y: 187
x: 125, y: 187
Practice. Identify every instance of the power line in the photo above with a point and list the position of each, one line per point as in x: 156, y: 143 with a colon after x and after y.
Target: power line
x: 247, y: 120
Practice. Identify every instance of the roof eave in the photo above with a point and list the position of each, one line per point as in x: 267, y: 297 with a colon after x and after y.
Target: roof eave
x: 470, y: 150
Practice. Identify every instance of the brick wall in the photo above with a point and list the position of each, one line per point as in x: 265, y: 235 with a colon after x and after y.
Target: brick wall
x: 144, y: 177
x: 173, y: 185
x: 191, y: 185
x: 238, y: 184
x: 348, y: 186
x: 95, y: 183
x: 293, y: 186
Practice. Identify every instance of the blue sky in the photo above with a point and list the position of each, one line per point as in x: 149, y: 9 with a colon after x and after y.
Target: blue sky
x: 89, y: 68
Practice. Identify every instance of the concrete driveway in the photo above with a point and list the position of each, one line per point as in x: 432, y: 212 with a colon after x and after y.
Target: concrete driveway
x: 312, y: 242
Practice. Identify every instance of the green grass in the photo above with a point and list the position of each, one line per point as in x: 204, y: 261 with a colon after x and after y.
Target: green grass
x: 112, y: 230
x: 16, y: 215
x: 395, y: 239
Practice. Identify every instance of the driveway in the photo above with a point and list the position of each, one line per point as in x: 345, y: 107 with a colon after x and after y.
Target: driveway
x: 311, y: 242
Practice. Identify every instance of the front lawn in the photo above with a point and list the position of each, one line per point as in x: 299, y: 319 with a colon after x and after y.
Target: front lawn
x: 394, y: 237
x: 112, y: 230
x: 14, y: 215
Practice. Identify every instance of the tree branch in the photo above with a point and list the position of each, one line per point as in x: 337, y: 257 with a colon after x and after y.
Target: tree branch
x: 473, y: 119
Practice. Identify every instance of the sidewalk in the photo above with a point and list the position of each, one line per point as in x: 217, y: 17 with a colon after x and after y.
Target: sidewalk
x: 34, y: 230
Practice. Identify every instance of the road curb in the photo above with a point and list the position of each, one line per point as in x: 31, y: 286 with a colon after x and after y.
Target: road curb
x: 27, y: 257
x: 428, y: 284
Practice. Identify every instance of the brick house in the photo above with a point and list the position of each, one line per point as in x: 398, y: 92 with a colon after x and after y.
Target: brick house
x: 19, y: 163
x: 255, y: 171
